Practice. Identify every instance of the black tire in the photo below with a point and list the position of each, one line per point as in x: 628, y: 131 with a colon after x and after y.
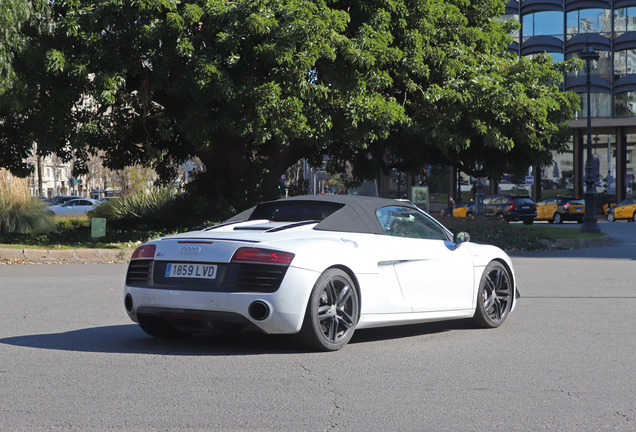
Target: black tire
x: 332, y: 312
x: 495, y: 296
x: 634, y: 217
x: 610, y: 217
x: 447, y: 215
x: 558, y: 219
x: 470, y: 216
x: 500, y: 217
x: 528, y: 222
x: 159, y: 328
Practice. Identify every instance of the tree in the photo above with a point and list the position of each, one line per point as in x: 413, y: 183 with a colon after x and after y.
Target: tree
x: 251, y: 87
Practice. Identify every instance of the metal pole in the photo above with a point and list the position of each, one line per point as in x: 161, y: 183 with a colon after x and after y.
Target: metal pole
x: 589, y: 220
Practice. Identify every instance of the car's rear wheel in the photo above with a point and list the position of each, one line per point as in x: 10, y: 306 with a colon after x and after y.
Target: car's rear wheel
x: 610, y: 217
x: 159, y: 328
x: 528, y: 222
x: 470, y: 216
x: 495, y: 295
x: 634, y: 217
x: 500, y: 217
x: 332, y: 312
x: 558, y: 218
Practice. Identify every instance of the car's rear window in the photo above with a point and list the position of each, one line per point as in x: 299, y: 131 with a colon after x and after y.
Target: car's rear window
x: 294, y: 211
x: 523, y: 201
x: 578, y: 202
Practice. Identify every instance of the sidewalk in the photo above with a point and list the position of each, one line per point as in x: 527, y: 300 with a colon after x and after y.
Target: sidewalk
x: 51, y: 256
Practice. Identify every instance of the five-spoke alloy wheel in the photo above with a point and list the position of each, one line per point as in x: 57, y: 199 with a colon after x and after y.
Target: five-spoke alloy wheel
x: 495, y: 296
x: 332, y: 312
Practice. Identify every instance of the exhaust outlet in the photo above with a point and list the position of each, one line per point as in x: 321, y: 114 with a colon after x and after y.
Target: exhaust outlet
x: 258, y: 310
x: 128, y: 302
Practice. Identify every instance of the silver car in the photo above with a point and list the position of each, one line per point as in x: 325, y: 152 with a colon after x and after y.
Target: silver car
x: 76, y: 207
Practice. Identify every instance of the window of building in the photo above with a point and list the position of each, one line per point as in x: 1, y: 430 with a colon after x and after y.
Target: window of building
x: 515, y: 33
x: 625, y: 62
x: 601, y: 67
x: 625, y: 104
x: 549, y: 23
x: 624, y: 20
x: 601, y: 105
x: 589, y: 21
x: 556, y: 57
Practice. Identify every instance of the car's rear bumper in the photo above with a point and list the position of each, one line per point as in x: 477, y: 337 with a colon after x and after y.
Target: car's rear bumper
x: 285, y: 308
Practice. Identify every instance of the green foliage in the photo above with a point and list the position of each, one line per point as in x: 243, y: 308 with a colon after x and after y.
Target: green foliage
x: 22, y: 214
x: 251, y: 87
x: 137, y: 206
x: 510, y: 238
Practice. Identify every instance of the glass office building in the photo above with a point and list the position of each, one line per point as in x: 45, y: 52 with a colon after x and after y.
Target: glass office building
x: 561, y: 28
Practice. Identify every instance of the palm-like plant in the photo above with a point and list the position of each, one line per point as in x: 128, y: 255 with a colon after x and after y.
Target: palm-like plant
x: 21, y: 213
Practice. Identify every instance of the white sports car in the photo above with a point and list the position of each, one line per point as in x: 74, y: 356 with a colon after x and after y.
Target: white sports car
x: 318, y: 267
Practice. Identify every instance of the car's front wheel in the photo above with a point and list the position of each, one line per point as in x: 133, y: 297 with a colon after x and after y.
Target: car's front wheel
x: 610, y: 217
x: 495, y: 295
x: 332, y: 312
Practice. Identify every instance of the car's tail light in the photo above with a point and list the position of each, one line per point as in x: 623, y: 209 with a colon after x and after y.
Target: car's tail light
x: 512, y: 206
x: 262, y: 256
x: 144, y: 252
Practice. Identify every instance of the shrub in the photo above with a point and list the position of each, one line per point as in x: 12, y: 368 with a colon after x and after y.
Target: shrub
x: 21, y: 213
x: 511, y: 238
x: 138, y: 207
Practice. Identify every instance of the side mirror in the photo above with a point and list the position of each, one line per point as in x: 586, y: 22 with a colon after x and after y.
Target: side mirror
x: 461, y: 237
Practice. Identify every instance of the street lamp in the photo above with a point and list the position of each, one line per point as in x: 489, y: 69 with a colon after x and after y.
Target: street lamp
x: 479, y: 196
x: 589, y: 220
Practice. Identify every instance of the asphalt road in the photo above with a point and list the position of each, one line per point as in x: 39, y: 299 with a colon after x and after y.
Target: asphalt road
x: 565, y: 360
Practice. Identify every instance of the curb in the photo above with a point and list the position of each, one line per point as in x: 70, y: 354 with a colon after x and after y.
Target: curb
x: 50, y: 256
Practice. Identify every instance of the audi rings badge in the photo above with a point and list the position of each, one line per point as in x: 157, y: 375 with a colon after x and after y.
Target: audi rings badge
x: 190, y: 250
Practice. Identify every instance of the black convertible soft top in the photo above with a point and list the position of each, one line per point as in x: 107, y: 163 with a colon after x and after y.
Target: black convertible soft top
x: 345, y: 213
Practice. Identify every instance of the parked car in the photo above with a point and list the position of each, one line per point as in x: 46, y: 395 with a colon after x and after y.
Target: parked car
x: 556, y: 209
x: 625, y: 209
x: 548, y: 184
x: 318, y: 267
x: 76, y: 207
x: 510, y: 208
x: 465, y: 209
x: 61, y: 199
x: 505, y: 186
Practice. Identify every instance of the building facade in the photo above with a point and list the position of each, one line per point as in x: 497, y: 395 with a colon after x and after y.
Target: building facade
x: 561, y: 29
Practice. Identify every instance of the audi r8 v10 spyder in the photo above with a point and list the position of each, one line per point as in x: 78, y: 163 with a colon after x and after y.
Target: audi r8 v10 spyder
x: 318, y: 267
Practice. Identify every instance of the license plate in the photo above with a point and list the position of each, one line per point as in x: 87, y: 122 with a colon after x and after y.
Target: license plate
x: 198, y: 271
x: 525, y: 207
x: 578, y: 209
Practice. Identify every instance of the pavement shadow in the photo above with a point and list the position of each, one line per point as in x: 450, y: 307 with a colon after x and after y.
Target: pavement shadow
x: 130, y: 339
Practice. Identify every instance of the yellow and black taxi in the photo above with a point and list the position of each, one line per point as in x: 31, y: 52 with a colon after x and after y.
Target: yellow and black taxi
x: 465, y: 209
x: 625, y: 209
x: 557, y: 209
